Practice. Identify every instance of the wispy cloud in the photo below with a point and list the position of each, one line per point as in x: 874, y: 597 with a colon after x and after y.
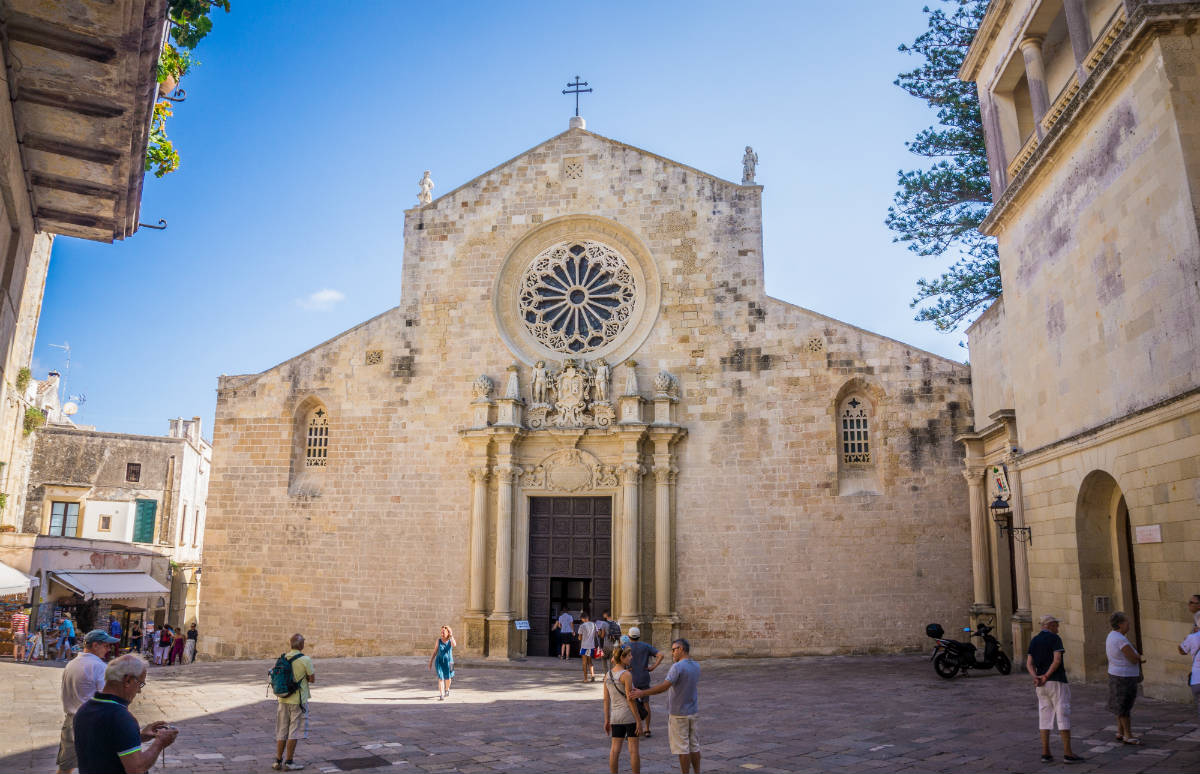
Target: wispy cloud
x: 323, y: 299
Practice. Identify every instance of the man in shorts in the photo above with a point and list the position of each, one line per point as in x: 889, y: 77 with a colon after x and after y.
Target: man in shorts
x: 641, y: 668
x: 565, y: 625
x: 683, y: 704
x: 20, y: 633
x: 1045, y: 664
x: 587, y: 646
x: 292, y: 713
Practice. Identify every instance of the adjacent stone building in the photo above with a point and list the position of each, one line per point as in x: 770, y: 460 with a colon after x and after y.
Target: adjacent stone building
x: 114, y: 522
x: 81, y: 80
x: 586, y: 400
x: 1086, y: 373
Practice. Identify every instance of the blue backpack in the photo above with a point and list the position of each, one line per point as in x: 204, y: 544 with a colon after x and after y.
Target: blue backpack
x: 283, y: 679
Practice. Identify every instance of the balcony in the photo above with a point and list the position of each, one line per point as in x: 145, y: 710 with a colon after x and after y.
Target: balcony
x: 82, y: 87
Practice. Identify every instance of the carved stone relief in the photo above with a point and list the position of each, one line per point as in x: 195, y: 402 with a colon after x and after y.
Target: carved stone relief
x: 570, y: 470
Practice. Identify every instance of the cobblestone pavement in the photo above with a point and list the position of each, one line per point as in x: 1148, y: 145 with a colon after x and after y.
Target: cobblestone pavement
x: 843, y: 714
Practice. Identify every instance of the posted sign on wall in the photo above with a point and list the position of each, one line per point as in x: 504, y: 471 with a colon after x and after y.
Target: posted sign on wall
x: 1151, y: 533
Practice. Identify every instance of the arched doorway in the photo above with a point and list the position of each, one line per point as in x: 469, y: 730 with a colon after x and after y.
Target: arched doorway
x: 1107, y: 570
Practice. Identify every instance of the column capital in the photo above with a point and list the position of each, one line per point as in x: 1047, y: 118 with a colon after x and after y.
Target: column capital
x: 505, y: 472
x: 630, y: 472
x: 973, y: 475
x: 479, y: 473
x: 665, y: 474
x: 1032, y: 40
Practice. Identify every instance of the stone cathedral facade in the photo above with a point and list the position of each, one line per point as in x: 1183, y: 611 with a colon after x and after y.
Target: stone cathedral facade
x: 587, y: 400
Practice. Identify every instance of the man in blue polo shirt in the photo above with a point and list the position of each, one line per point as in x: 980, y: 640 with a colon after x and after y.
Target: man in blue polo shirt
x: 107, y: 737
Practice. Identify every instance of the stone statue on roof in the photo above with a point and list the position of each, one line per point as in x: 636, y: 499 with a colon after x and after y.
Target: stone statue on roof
x: 426, y: 195
x: 749, y: 162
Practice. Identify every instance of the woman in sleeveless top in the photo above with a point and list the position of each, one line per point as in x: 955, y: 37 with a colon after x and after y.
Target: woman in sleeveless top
x: 443, y: 658
x: 621, y: 718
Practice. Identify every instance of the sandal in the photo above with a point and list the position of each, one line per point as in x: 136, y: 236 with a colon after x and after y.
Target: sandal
x: 1131, y: 740
x: 646, y: 733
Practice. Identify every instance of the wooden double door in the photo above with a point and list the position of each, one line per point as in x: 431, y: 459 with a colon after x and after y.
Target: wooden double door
x: 570, y: 563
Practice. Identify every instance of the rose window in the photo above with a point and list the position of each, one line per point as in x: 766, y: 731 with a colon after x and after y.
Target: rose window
x: 577, y: 296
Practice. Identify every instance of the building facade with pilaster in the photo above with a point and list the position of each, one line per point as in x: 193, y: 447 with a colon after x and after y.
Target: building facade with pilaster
x: 1086, y: 373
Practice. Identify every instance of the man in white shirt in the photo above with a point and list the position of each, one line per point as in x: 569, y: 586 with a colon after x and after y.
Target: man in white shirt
x: 587, y: 646
x: 566, y: 628
x: 82, y: 679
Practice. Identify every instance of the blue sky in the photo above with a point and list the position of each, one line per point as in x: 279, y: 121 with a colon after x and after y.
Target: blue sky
x: 307, y: 127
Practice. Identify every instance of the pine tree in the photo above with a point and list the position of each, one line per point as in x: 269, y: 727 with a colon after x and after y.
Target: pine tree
x: 937, y: 210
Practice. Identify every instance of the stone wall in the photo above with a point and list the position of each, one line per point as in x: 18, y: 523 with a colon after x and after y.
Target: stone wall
x: 1119, y: 332
x: 769, y: 558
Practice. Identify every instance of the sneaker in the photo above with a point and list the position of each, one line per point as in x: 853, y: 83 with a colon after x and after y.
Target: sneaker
x: 291, y: 766
x: 1073, y: 759
x: 1047, y: 759
x: 277, y: 765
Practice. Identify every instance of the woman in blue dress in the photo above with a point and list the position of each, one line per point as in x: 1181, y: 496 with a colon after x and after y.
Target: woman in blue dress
x: 443, y: 660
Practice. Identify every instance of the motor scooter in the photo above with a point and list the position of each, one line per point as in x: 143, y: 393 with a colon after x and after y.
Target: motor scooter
x: 951, y: 656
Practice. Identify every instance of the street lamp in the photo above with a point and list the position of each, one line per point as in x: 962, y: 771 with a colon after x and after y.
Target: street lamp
x: 1002, y: 515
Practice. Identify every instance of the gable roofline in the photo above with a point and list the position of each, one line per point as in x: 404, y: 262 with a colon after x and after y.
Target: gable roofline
x: 247, y: 378
x: 873, y: 334
x: 560, y: 135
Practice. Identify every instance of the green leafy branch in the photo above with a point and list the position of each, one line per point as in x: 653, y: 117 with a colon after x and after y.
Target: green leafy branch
x: 190, y: 23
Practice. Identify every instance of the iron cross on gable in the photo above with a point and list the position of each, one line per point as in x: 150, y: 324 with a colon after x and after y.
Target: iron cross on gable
x: 573, y: 88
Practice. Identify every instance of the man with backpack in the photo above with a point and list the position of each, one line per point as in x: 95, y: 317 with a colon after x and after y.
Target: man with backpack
x: 290, y: 678
x: 612, y: 637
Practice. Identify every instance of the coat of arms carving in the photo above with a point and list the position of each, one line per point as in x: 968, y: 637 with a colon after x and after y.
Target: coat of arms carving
x: 576, y: 396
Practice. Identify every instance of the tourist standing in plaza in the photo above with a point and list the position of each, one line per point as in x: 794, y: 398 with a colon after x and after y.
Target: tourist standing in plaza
x: 621, y: 719
x: 612, y: 635
x: 177, y: 640
x: 114, y: 626
x: 565, y: 626
x: 189, y: 650
x: 602, y: 651
x: 66, y: 637
x: 683, y: 705
x: 1124, y: 674
x: 135, y: 637
x: 1045, y: 664
x: 82, y: 679
x: 20, y: 634
x: 587, y: 646
x: 162, y: 645
x: 641, y: 667
x: 1191, y: 647
x: 291, y: 716
x: 107, y: 737
x: 442, y: 661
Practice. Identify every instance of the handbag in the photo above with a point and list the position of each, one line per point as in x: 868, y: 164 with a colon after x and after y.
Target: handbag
x: 599, y: 653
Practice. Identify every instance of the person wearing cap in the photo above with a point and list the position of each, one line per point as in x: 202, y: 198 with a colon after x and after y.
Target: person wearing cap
x: 641, y: 668
x: 82, y: 679
x: 1045, y: 664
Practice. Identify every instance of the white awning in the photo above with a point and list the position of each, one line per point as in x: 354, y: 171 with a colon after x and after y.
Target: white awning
x: 110, y: 584
x: 13, y: 581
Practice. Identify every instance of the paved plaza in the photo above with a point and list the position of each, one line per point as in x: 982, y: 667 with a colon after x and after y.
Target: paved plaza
x: 849, y: 714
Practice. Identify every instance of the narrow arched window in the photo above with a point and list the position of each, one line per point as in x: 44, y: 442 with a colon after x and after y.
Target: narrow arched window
x: 855, y: 418
x: 316, y: 446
